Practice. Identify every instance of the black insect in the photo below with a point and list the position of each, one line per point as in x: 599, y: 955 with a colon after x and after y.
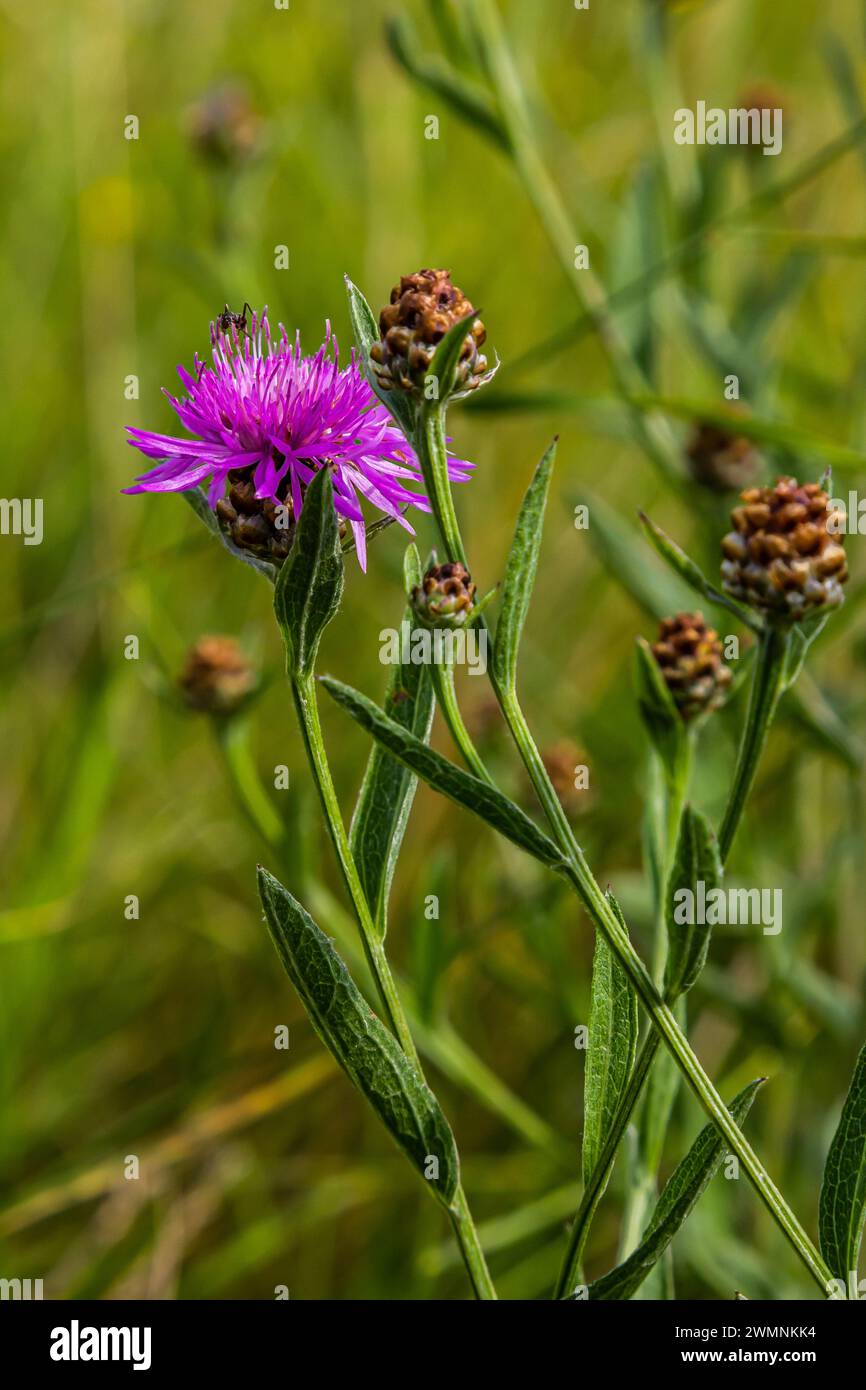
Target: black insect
x: 227, y: 320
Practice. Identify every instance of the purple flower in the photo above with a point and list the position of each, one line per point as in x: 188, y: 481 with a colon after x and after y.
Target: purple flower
x: 264, y: 412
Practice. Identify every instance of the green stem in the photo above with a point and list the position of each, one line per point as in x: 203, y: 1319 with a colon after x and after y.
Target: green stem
x: 443, y: 681
x: 304, y: 692
x: 433, y: 456
x: 470, y: 1247
x: 767, y: 686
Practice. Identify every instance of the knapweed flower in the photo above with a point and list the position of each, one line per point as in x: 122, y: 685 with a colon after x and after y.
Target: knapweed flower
x: 445, y: 596
x: 423, y: 308
x: 689, y: 655
x: 263, y: 420
x: 721, y: 459
x: 217, y: 678
x: 780, y: 557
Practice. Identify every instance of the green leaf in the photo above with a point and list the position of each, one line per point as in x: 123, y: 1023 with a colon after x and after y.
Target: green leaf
x: 679, y: 561
x: 446, y: 358
x: 445, y: 777
x: 388, y: 789
x: 520, y: 575
x: 310, y: 583
x: 613, y: 1032
x: 696, y: 861
x: 366, y: 331
x: 685, y: 1186
x: 370, y: 1055
x: 660, y: 715
x: 842, y: 1204
x: 197, y: 499
x: 465, y: 97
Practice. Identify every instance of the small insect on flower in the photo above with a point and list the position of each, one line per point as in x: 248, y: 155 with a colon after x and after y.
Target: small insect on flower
x: 780, y: 557
x: 689, y: 655
x: 263, y: 419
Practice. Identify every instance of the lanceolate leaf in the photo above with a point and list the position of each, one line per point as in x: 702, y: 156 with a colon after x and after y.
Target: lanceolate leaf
x: 366, y: 331
x: 613, y: 1032
x: 367, y: 1052
x: 447, y: 355
x: 197, y: 499
x: 842, y: 1205
x: 694, y: 576
x: 520, y: 574
x: 683, y: 1189
x: 658, y: 711
x: 388, y: 788
x: 696, y: 862
x: 310, y: 583
x: 445, y: 777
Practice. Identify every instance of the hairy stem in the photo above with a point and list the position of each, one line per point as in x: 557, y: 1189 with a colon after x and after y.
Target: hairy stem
x: 443, y: 681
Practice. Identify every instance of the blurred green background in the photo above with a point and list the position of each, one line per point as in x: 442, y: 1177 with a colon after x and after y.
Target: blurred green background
x: 155, y: 1037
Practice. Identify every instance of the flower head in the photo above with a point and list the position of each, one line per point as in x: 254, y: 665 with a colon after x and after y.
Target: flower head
x: 217, y: 678
x: 689, y: 655
x: 780, y: 557
x: 445, y: 597
x: 263, y: 419
x: 721, y: 459
x: 423, y: 308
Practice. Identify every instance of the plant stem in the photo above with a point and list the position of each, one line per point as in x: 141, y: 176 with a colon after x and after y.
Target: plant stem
x: 443, y: 681
x: 432, y: 454
x: 304, y: 692
x: 470, y: 1247
x: 767, y: 685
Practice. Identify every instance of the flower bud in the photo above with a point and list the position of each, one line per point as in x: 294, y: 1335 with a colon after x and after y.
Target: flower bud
x: 780, y: 557
x: 562, y: 762
x: 445, y: 596
x: 423, y: 308
x: 689, y: 655
x: 224, y: 126
x: 217, y: 677
x: 720, y: 459
x: 256, y: 524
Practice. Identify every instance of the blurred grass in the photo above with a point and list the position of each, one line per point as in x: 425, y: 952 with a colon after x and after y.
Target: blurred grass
x: 154, y: 1037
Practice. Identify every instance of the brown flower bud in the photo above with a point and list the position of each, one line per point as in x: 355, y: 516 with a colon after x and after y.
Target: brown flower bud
x: 445, y: 597
x: 721, y: 459
x: 223, y: 124
x: 780, y: 557
x: 216, y: 677
x: 423, y: 308
x: 562, y: 762
x: 255, y: 525
x: 689, y: 655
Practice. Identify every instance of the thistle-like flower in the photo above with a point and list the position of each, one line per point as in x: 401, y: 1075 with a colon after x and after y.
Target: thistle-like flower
x: 423, y: 308
x: 720, y: 459
x: 263, y: 420
x: 689, y: 655
x: 445, y: 596
x: 780, y: 557
x: 217, y: 677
